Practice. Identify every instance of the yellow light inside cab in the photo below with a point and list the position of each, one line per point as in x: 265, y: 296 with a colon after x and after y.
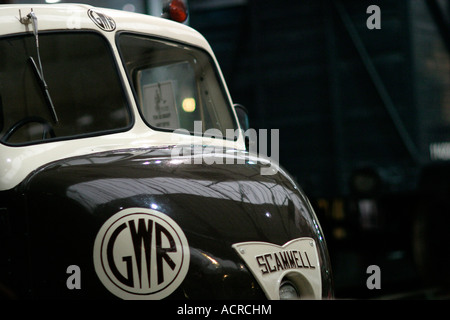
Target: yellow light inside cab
x: 189, y: 105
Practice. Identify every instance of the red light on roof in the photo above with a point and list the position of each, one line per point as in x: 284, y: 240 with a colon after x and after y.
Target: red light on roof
x: 176, y: 10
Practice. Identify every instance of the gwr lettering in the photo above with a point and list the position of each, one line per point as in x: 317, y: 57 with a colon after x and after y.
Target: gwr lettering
x: 283, y: 260
x: 105, y: 22
x: 161, y: 253
x: 138, y: 239
x: 128, y: 280
x: 142, y: 238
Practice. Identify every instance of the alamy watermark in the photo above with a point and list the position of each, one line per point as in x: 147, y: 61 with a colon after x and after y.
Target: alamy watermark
x: 374, y: 280
x: 190, y: 152
x: 74, y: 280
x: 374, y: 20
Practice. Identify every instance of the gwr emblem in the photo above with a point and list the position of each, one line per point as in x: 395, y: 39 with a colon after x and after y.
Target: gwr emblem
x: 102, y: 21
x: 141, y: 254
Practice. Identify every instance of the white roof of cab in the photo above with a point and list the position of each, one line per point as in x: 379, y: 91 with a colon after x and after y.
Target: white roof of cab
x: 75, y: 16
x: 17, y: 162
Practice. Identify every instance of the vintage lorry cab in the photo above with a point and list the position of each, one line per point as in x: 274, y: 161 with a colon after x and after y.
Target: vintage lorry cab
x: 124, y: 171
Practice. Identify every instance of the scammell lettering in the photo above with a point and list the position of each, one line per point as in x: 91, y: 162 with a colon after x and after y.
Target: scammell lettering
x: 283, y: 260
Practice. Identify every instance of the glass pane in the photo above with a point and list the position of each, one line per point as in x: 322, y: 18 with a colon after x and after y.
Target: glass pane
x: 82, y: 80
x: 175, y: 85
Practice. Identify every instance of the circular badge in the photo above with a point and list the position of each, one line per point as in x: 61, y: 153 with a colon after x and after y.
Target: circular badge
x: 141, y: 254
x: 102, y: 21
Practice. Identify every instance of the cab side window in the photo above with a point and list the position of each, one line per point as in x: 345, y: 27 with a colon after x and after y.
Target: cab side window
x: 175, y: 85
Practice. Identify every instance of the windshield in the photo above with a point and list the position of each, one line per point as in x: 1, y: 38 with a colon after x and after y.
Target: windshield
x: 175, y: 85
x: 83, y: 84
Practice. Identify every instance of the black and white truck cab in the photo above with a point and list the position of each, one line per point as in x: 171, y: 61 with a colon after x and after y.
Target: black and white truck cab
x: 119, y: 177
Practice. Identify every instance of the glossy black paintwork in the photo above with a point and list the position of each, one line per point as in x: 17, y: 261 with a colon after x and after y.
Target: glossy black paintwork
x: 59, y: 209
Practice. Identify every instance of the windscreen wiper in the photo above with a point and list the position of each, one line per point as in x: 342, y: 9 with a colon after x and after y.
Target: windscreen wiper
x: 44, y: 88
x: 31, y: 17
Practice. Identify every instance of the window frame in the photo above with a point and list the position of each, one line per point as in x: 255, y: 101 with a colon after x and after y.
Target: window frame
x: 121, y: 84
x: 215, y: 70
